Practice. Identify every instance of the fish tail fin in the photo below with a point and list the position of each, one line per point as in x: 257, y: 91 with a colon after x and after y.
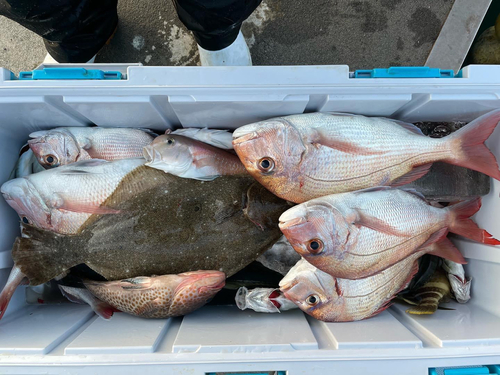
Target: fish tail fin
x: 42, y: 255
x: 16, y: 278
x: 423, y: 309
x: 462, y: 224
x: 468, y: 148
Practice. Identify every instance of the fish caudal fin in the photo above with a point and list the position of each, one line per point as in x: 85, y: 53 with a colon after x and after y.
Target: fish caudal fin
x: 44, y: 255
x: 461, y: 224
x: 468, y: 145
x: 16, y: 278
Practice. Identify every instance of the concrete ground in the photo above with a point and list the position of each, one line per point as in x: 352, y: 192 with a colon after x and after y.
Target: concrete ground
x: 361, y: 33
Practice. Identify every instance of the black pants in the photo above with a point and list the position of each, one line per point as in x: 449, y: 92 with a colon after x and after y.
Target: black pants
x: 75, y: 30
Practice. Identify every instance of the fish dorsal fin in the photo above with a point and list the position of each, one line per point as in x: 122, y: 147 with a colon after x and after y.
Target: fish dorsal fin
x: 406, y: 125
x: 372, y: 189
x: 150, y: 132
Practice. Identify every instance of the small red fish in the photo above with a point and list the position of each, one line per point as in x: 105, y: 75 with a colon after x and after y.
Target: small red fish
x: 159, y: 296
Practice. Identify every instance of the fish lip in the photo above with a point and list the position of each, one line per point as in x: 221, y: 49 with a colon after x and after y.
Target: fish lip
x: 291, y: 223
x: 244, y: 137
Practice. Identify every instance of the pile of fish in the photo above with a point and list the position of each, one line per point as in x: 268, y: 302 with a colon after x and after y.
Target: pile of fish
x: 152, y: 225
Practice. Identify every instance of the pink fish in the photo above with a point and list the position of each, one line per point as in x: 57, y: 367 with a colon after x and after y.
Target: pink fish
x: 62, y: 146
x: 189, y: 158
x: 358, y: 234
x: 307, y: 156
x: 339, y: 300
x: 62, y: 199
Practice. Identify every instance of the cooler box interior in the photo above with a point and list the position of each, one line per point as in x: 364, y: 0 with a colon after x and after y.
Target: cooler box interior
x: 71, y: 339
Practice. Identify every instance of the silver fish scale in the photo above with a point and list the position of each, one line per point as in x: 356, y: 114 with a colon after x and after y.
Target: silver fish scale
x: 81, y: 185
x: 112, y: 143
x: 365, y: 296
x: 380, y: 149
x: 370, y: 250
x: 358, y: 299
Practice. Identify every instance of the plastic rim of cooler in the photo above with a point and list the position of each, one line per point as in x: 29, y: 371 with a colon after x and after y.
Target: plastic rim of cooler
x: 69, y: 338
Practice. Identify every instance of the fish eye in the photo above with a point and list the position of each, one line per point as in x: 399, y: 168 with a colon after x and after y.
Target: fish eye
x: 315, y: 246
x: 170, y: 141
x: 266, y: 164
x: 50, y: 159
x: 25, y: 220
x: 312, y: 300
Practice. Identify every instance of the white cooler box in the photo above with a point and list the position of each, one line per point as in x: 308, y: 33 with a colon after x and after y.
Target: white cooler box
x: 70, y: 339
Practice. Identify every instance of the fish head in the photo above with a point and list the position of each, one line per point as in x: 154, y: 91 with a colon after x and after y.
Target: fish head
x: 316, y: 230
x: 272, y: 152
x: 54, y: 148
x: 313, y: 291
x: 197, y: 287
x: 25, y: 199
x: 169, y: 153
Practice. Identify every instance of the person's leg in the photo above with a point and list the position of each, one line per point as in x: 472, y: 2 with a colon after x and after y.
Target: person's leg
x: 216, y: 27
x: 73, y: 30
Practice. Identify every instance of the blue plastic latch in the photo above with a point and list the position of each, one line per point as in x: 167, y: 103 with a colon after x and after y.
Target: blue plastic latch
x: 405, y: 72
x: 69, y: 74
x: 477, y: 370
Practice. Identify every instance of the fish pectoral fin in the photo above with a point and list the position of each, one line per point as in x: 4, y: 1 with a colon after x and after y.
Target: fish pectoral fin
x: 136, y: 283
x: 85, y: 207
x: 415, y: 193
x: 374, y: 223
x: 85, y: 143
x: 413, y: 175
x: 346, y: 146
x: 83, y: 163
x: 148, y: 308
